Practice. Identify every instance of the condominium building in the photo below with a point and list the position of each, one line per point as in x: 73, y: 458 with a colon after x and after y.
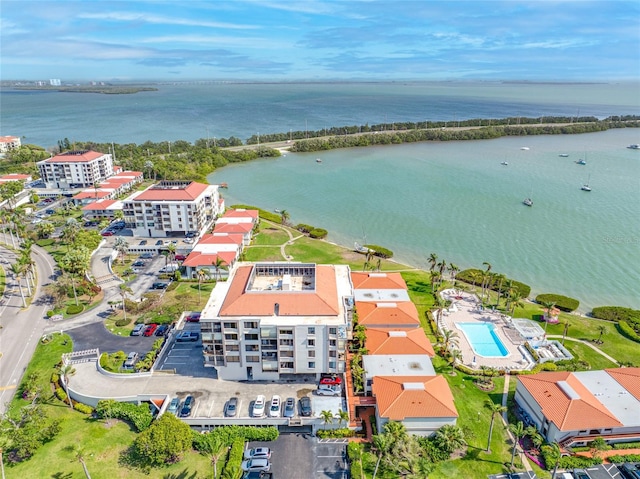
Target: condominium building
x: 76, y: 169
x: 9, y: 143
x: 273, y: 320
x: 172, y: 208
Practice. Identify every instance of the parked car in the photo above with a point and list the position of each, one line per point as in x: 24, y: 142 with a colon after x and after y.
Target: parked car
x: 305, y: 406
x: 159, y: 243
x: 173, y: 406
x: 170, y: 268
x: 274, y: 409
x: 187, y: 406
x: 258, y: 406
x: 142, y: 243
x: 191, y: 234
x: 257, y: 453
x: 331, y: 380
x: 138, y: 263
x: 137, y: 330
x: 231, y: 409
x: 326, y: 390
x: 50, y: 212
x: 257, y: 475
x: 180, y: 257
x: 150, y: 329
x: 289, y: 408
x: 108, y: 233
x: 184, y: 336
x: 193, y: 317
x: 162, y: 330
x: 159, y: 286
x: 131, y: 361
x: 188, y: 240
x: 256, y: 465
x: 146, y: 256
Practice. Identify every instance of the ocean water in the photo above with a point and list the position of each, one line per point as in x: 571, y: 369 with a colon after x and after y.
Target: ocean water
x: 453, y: 199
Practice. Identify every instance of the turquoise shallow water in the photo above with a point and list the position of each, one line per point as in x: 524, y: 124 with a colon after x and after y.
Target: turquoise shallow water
x: 457, y: 200
x: 484, y: 340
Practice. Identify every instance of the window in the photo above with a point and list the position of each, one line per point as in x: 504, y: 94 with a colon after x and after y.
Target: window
x: 332, y: 354
x: 230, y: 325
x: 231, y: 337
x: 286, y: 331
x: 311, y: 343
x: 253, y: 359
x: 312, y: 365
x: 251, y: 347
x: 311, y: 330
x: 233, y: 359
x: 332, y: 364
x: 250, y: 324
x: 311, y: 353
x: 233, y: 347
x: 287, y: 365
x: 250, y: 337
x: 333, y: 330
x: 286, y: 342
x: 333, y: 343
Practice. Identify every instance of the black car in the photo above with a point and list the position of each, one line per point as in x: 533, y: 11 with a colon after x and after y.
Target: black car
x: 50, y: 212
x: 159, y: 286
x: 162, y: 330
x: 138, y: 263
x: 305, y: 406
x: 231, y: 408
x: 159, y: 243
x: 146, y: 256
x: 187, y: 406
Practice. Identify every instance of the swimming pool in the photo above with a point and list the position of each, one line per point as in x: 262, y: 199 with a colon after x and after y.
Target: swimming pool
x: 484, y: 340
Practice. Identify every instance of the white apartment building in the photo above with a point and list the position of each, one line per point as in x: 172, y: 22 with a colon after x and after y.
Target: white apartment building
x: 272, y: 320
x: 172, y: 208
x: 76, y: 169
x: 9, y: 143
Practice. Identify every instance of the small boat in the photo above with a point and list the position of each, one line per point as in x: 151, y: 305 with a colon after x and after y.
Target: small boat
x: 635, y: 146
x: 505, y: 163
x: 224, y: 185
x: 361, y: 249
x: 524, y: 148
x: 527, y: 202
x: 277, y: 211
x: 318, y: 160
x: 586, y: 186
x: 564, y: 155
x: 581, y: 162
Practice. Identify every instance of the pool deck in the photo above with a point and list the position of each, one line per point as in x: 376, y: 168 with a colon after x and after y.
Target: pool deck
x: 465, y: 308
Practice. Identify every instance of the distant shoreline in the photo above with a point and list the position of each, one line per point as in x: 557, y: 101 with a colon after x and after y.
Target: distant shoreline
x: 105, y: 90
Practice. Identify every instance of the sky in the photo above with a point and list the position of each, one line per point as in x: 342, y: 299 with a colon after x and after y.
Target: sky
x: 284, y: 40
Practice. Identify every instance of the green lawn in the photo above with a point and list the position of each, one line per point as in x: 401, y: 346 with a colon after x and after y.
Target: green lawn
x: 3, y: 281
x: 271, y: 235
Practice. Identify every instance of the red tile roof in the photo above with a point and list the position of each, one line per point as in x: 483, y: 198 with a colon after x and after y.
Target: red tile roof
x: 362, y: 280
x: 233, y: 228
x: 321, y: 302
x: 402, y: 397
x: 14, y: 177
x: 67, y: 158
x: 128, y: 173
x: 92, y: 194
x: 398, y: 341
x: 99, y: 205
x: 8, y: 139
x: 565, y: 401
x: 197, y: 258
x: 240, y: 213
x: 399, y: 314
x: 189, y: 193
x: 628, y: 378
x: 222, y: 238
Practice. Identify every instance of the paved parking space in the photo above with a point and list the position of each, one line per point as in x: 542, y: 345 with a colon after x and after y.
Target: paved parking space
x: 302, y: 456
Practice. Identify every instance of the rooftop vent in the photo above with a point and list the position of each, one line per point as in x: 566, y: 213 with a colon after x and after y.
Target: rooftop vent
x: 568, y: 390
x: 377, y: 275
x: 397, y: 334
x: 386, y: 305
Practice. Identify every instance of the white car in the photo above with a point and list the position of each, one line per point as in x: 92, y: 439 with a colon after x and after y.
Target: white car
x: 258, y: 406
x: 257, y: 453
x: 326, y: 390
x: 274, y: 410
x: 256, y: 465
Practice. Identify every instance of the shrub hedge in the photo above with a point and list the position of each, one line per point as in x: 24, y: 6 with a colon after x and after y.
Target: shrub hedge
x: 380, y: 251
x: 342, y: 432
x: 627, y: 445
x: 45, y: 242
x: 532, y: 351
x: 228, y: 434
x: 303, y: 228
x: 139, y: 416
x: 563, y: 303
x: 123, y: 322
x: 318, y: 233
x: 75, y: 309
x: 234, y: 461
x: 83, y: 408
x: 466, y: 276
x: 624, y: 458
x: 627, y: 331
x: 618, y: 313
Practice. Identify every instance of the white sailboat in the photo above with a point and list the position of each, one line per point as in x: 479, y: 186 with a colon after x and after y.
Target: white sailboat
x: 528, y: 201
x: 586, y: 186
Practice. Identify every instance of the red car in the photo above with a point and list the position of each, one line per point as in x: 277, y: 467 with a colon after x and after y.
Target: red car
x: 107, y: 233
x: 180, y: 257
x: 150, y: 330
x: 331, y: 381
x: 193, y: 317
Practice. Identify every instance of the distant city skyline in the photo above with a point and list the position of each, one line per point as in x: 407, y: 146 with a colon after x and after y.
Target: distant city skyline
x: 273, y: 40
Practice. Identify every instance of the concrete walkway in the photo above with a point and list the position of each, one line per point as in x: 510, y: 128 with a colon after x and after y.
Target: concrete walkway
x: 505, y: 396
x: 587, y: 343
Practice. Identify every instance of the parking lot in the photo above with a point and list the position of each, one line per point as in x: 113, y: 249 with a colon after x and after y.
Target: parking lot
x: 302, y: 456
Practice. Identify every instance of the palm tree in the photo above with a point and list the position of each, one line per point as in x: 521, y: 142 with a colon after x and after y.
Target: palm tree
x: 284, y: 217
x: 601, y: 328
x: 217, y: 264
x: 449, y: 438
x: 453, y: 269
x: 565, y: 330
x: 202, y: 275
x: 17, y: 269
x: 66, y: 371
x: 380, y: 444
x: 442, y: 265
x: 122, y: 247
x: 548, y: 305
x: 475, y: 276
x: 5, y: 443
x: 449, y: 338
x: 433, y: 261
x: 148, y: 165
x: 495, y: 409
x: 456, y: 355
x: 171, y: 248
x: 485, y: 276
x: 500, y: 278
x: 518, y: 431
x: 557, y: 454
x: 213, y: 447
x: 124, y: 291
x: 327, y: 418
x: 343, y: 416
x: 434, y: 280
x: 79, y: 454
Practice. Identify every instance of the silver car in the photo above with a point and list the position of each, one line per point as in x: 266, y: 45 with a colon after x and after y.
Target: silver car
x: 289, y: 407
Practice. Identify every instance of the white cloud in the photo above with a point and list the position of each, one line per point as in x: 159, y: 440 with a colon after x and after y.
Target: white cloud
x: 161, y: 20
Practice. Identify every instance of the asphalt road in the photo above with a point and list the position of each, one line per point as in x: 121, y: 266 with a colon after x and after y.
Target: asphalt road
x: 95, y: 335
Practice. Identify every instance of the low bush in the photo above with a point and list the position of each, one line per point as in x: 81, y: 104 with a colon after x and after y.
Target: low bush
x: 75, y: 309
x: 139, y: 416
x: 231, y: 469
x: 228, y: 434
x: 380, y: 251
x: 573, y: 462
x: 532, y: 351
x: 304, y: 228
x: 627, y: 445
x: 50, y: 313
x: 624, y: 458
x: 627, y: 331
x: 563, y: 303
x: 45, y: 242
x: 469, y: 275
x: 318, y: 233
x: 173, y: 285
x: 83, y: 408
x: 61, y: 394
x: 618, y: 313
x: 342, y: 432
x: 55, y: 378
x: 122, y: 322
